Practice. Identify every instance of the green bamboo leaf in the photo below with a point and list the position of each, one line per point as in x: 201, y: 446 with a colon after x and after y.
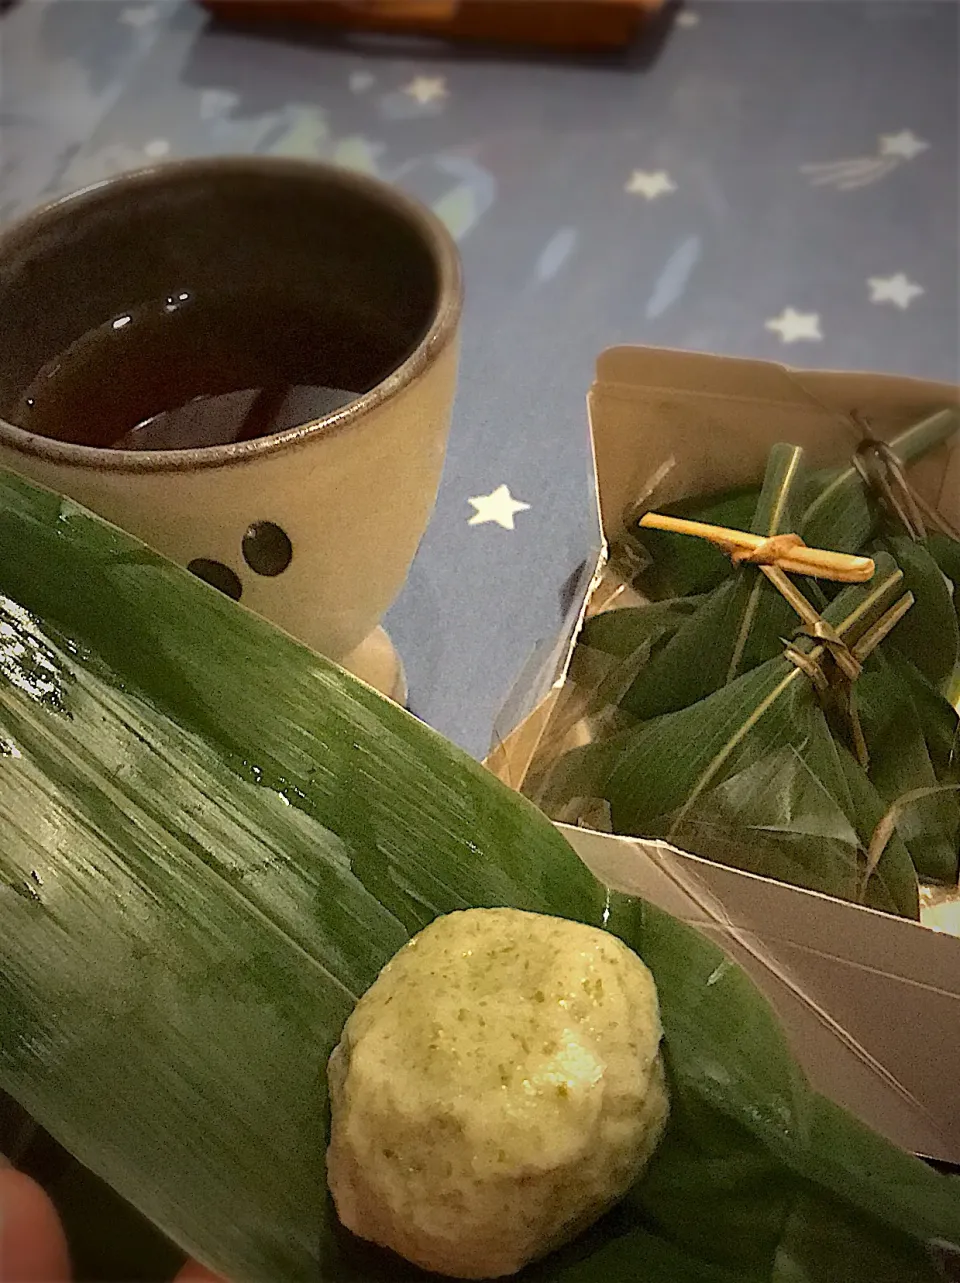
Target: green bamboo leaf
x: 746, y: 775
x: 928, y: 634
x: 793, y: 830
x: 643, y: 784
x: 799, y: 810
x: 839, y: 1154
x: 946, y: 553
x: 938, y: 717
x: 685, y: 668
x: 900, y: 764
x: 841, y: 514
x: 212, y: 839
x: 796, y: 829
x: 681, y: 566
x: 739, y: 625
x: 763, y: 616
x: 811, y: 1258
x: 892, y: 886
x: 732, y: 713
x: 621, y: 632
x: 753, y: 1193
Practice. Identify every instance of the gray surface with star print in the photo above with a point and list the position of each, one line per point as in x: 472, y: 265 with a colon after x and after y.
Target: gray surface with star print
x: 767, y: 179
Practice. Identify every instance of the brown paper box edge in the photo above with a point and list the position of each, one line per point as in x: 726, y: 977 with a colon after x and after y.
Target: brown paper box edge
x: 870, y: 1003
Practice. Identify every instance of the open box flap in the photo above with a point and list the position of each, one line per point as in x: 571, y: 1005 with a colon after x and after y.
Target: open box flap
x: 871, y: 1009
x: 707, y: 423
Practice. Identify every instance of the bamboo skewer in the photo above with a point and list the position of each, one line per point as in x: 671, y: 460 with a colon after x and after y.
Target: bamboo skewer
x: 818, y: 563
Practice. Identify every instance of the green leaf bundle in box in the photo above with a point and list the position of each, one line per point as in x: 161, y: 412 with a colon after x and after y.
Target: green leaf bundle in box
x: 781, y: 725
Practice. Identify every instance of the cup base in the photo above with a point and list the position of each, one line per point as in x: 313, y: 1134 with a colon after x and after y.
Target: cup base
x: 376, y: 662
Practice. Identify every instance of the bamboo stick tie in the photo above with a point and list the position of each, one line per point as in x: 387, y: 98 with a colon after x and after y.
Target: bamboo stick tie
x: 787, y: 552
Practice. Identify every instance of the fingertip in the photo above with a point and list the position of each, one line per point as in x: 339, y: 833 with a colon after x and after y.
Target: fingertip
x: 33, y: 1248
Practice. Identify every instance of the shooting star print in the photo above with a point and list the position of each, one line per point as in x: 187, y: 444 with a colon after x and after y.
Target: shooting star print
x: 861, y: 171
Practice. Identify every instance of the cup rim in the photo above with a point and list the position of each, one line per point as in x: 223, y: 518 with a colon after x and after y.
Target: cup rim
x: 439, y: 335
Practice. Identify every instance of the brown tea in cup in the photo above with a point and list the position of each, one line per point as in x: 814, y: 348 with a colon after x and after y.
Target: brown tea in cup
x: 201, y: 307
x: 193, y: 370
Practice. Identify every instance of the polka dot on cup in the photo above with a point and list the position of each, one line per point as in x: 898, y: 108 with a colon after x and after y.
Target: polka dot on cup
x: 217, y: 575
x: 267, y: 549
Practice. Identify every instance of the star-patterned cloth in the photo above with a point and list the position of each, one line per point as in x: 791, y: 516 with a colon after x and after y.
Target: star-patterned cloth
x: 714, y: 202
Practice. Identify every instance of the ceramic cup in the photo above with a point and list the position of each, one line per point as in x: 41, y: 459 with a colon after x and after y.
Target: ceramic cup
x: 313, y: 527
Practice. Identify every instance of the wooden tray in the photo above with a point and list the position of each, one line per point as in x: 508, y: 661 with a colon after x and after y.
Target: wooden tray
x: 567, y: 24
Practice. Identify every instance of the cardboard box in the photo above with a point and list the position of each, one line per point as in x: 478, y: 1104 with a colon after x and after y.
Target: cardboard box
x: 870, y: 1002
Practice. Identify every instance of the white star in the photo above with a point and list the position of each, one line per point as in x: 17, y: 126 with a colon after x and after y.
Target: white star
x: 650, y: 185
x: 894, y: 289
x: 687, y: 19
x: 499, y: 506
x: 792, y: 325
x: 426, y: 89
x: 905, y: 144
x: 361, y: 81
x: 157, y: 148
